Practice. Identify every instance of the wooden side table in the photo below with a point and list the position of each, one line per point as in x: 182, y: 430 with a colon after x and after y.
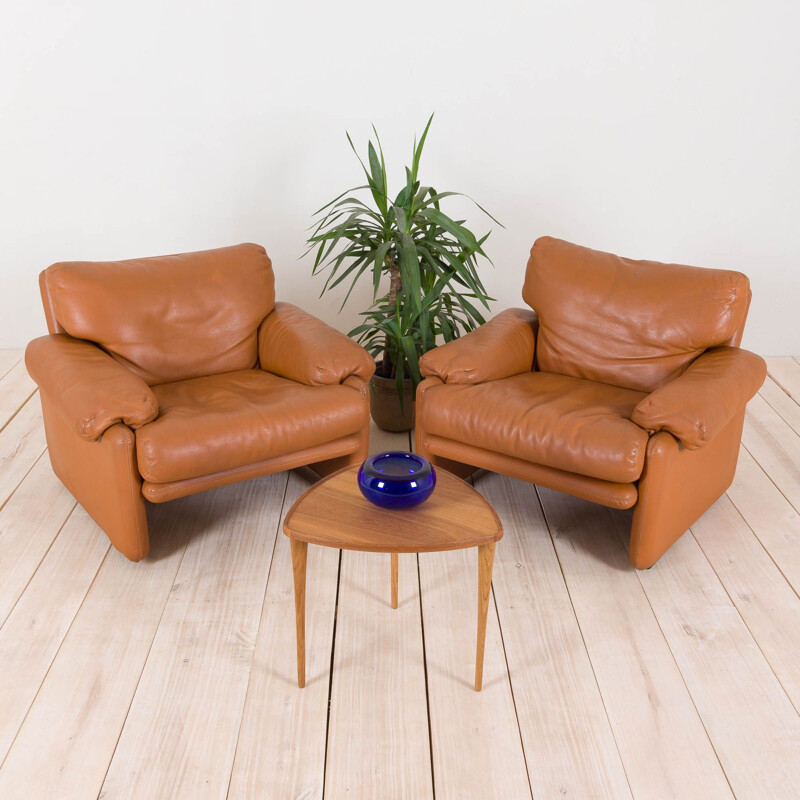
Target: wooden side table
x: 333, y: 513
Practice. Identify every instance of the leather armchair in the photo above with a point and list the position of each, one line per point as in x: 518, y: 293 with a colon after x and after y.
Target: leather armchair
x: 166, y: 376
x: 625, y: 386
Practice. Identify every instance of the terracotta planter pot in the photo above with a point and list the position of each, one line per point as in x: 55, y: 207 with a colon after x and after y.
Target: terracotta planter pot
x: 384, y: 404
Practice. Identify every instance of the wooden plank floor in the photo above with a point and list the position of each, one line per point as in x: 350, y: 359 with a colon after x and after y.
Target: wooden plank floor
x: 175, y: 678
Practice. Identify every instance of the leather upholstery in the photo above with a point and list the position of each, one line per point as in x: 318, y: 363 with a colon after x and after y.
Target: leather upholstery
x: 295, y: 345
x: 172, y: 317
x: 93, y: 390
x: 221, y: 422
x: 554, y: 420
x: 443, y: 452
x: 503, y: 347
x: 188, y: 325
x: 103, y: 478
x: 636, y: 324
x: 636, y: 397
x: 696, y: 406
x: 323, y: 459
x: 677, y: 486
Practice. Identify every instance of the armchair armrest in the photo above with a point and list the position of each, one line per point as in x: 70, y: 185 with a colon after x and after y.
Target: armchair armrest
x: 298, y: 346
x: 503, y: 347
x: 699, y: 403
x: 90, y: 390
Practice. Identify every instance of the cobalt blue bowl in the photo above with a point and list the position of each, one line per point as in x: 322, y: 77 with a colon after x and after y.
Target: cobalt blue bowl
x: 396, y: 479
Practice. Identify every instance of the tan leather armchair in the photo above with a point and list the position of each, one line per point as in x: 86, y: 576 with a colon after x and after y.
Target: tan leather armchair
x: 166, y: 376
x: 625, y: 387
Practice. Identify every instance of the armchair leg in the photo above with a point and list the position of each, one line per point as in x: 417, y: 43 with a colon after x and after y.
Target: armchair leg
x: 677, y: 487
x: 103, y: 478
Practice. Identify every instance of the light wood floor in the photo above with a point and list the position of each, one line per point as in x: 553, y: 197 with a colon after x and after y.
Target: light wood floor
x: 175, y: 678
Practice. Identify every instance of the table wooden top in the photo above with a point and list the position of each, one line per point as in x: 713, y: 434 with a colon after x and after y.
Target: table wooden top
x: 334, y: 513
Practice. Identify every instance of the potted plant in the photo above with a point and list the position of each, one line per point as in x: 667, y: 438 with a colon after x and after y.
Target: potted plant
x: 430, y: 260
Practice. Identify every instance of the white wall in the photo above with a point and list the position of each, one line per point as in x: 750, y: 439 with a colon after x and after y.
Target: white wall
x: 664, y: 130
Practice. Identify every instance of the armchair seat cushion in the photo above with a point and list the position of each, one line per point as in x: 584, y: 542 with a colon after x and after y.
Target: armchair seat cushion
x: 555, y: 420
x: 221, y: 422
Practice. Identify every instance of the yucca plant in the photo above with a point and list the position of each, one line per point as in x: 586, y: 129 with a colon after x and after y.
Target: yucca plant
x: 430, y: 259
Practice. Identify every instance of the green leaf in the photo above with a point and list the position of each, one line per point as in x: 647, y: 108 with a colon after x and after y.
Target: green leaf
x: 383, y: 163
x: 353, y: 148
x: 418, y: 151
x: 379, y: 266
x: 409, y: 268
x: 447, y: 331
x: 354, y: 189
x: 437, y: 257
x: 419, y: 195
x: 462, y: 271
x: 364, y: 259
x: 412, y: 359
x: 354, y: 253
x: 378, y: 179
x: 469, y: 309
x: 436, y: 197
x: 408, y: 200
x: 464, y: 236
x: 363, y: 267
x: 400, y: 218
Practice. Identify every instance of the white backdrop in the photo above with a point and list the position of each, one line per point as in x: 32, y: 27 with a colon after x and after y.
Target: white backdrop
x: 664, y: 130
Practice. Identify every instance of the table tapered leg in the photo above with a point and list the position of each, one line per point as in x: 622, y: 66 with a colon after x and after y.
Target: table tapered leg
x: 485, y: 564
x: 299, y: 553
x: 394, y: 580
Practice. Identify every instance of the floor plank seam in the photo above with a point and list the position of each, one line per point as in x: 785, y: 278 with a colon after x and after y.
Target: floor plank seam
x: 4, y: 503
x: 776, y: 410
x: 786, y: 391
x: 777, y: 380
x: 772, y: 448
x: 330, y: 676
x: 583, y: 641
x: 758, y: 539
x: 760, y: 394
x: 19, y: 408
x: 511, y: 690
x: 5, y: 372
x: 683, y: 681
x: 771, y: 479
x: 287, y: 474
x: 44, y: 555
x: 744, y: 621
x: 101, y: 793
x: 425, y: 671
x: 55, y: 654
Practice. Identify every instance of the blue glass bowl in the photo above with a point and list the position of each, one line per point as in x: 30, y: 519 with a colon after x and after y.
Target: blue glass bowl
x: 396, y: 479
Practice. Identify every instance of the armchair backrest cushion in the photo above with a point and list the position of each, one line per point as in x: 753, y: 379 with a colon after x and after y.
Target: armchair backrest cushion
x: 167, y: 318
x: 633, y: 324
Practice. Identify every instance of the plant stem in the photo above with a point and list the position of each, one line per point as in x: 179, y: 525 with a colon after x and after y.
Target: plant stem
x: 395, y: 287
x: 395, y: 282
